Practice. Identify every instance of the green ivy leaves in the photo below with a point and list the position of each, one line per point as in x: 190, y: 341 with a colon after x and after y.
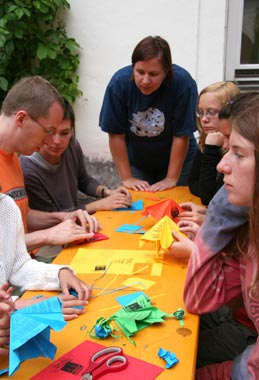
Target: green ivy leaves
x: 33, y: 41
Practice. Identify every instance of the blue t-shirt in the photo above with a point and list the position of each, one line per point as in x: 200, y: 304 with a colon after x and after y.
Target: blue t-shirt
x: 150, y: 122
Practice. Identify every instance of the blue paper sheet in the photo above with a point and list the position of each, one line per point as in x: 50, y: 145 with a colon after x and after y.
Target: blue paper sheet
x: 130, y: 229
x: 30, y: 331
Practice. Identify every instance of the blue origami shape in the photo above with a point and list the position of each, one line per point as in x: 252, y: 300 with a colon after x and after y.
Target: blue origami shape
x: 128, y: 298
x: 130, y: 229
x: 102, y: 332
x: 135, y: 206
x: 30, y: 331
x: 169, y: 357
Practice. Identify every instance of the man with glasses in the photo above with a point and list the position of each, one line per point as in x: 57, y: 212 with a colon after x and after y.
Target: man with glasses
x: 31, y: 110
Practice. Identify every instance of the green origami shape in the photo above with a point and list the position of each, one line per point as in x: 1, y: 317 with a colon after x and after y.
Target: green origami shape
x: 138, y: 315
x: 134, y: 317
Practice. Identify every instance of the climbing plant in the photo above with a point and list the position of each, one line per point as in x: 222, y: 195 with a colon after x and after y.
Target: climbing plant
x: 34, y: 41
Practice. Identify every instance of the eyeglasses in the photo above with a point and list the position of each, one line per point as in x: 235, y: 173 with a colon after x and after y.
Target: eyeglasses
x: 209, y: 114
x: 49, y: 132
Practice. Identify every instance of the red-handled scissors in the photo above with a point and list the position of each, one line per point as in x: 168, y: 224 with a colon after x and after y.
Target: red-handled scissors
x: 110, y: 359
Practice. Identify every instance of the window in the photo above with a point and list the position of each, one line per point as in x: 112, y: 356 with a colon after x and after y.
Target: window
x: 242, y: 48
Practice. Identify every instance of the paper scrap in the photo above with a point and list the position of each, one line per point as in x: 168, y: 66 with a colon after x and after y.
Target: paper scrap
x: 122, y: 261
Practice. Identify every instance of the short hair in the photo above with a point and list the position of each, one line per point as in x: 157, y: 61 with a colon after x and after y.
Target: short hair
x: 225, y: 91
x: 154, y: 47
x: 34, y: 95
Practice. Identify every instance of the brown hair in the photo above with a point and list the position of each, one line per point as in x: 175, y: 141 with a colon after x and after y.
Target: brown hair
x: 225, y: 91
x: 153, y: 47
x: 34, y: 95
x: 243, y: 112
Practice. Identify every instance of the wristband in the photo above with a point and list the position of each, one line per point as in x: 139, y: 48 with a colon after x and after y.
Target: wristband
x: 103, y: 190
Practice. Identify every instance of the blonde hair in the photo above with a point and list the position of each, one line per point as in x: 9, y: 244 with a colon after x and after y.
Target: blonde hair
x: 225, y: 91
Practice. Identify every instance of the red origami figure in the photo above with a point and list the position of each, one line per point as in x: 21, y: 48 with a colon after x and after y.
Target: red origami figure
x: 168, y: 207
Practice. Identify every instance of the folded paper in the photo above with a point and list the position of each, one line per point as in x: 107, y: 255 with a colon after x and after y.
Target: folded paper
x: 169, y: 357
x: 130, y: 229
x: 133, y: 317
x: 161, y: 234
x: 168, y: 207
x: 135, y: 206
x: 30, y: 331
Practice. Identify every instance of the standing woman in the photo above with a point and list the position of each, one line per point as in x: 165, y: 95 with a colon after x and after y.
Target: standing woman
x: 232, y: 275
x: 204, y: 180
x: 149, y: 113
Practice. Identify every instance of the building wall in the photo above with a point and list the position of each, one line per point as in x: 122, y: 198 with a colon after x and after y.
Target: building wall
x: 108, y: 31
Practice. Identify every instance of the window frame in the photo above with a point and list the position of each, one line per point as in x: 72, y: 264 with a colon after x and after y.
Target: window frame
x: 233, y: 40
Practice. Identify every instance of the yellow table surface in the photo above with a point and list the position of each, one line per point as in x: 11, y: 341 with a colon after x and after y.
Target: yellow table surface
x: 166, y: 293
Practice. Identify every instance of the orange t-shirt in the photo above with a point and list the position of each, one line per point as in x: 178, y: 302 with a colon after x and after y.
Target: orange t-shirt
x: 12, y: 182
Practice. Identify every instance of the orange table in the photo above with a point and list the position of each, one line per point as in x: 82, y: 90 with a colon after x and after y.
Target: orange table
x: 165, y: 293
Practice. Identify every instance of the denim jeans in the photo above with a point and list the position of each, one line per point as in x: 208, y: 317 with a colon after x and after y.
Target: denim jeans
x: 153, y: 176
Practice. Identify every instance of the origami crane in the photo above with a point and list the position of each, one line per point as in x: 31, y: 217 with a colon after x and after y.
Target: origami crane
x: 168, y: 207
x: 161, y: 234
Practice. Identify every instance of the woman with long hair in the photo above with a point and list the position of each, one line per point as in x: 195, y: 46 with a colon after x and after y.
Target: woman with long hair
x: 231, y: 276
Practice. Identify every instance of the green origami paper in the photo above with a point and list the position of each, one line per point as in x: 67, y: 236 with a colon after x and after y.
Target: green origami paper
x: 132, y: 318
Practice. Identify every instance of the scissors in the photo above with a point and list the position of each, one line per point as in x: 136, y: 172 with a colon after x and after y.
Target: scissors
x: 110, y: 359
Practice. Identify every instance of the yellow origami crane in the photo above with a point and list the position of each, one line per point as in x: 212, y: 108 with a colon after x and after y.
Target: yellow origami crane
x: 161, y: 234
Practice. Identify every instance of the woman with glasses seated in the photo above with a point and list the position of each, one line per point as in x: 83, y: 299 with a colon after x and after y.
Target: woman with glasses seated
x: 204, y: 180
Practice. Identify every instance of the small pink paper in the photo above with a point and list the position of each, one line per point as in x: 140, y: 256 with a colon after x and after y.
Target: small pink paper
x: 74, y: 363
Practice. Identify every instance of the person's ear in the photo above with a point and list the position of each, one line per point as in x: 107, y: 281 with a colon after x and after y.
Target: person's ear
x: 20, y: 117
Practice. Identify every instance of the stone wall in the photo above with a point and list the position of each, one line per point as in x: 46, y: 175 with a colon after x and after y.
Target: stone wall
x: 104, y: 171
